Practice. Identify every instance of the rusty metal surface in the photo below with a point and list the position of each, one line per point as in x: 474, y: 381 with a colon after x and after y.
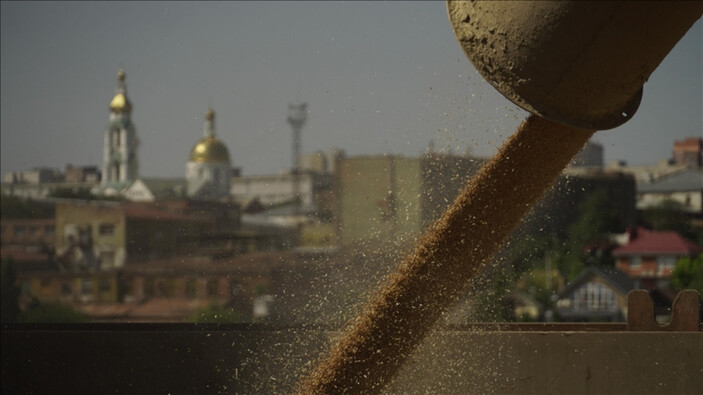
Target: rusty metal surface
x: 555, y: 363
x: 486, y: 358
x: 144, y: 359
x: 685, y: 312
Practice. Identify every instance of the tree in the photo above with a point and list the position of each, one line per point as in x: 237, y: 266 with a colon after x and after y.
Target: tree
x: 487, y: 298
x: 10, y: 292
x: 524, y: 254
x: 51, y: 312
x: 688, y: 273
x: 588, y: 240
x: 670, y: 215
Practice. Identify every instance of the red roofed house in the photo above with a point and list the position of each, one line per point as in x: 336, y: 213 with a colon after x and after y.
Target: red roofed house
x: 650, y: 256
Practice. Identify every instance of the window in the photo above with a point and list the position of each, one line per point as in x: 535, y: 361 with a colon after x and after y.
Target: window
x: 49, y: 230
x: 127, y: 288
x: 106, y: 229
x: 666, y: 263
x: 104, y: 284
x: 165, y: 288
x: 33, y: 230
x: 19, y: 230
x: 149, y: 287
x: 87, y: 287
x: 66, y: 289
x: 116, y: 137
x: 594, y: 297
x: 212, y: 287
x: 636, y: 262
x: 107, y: 259
x: 190, y: 288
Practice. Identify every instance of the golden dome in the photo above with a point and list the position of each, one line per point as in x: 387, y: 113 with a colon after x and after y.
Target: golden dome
x: 120, y: 103
x: 210, y: 150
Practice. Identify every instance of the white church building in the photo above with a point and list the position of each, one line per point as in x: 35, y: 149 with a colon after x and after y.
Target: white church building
x: 120, y: 160
x: 208, y: 171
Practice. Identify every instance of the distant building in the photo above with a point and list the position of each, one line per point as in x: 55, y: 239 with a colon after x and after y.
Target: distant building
x: 28, y: 240
x: 596, y: 294
x: 591, y: 155
x: 97, y: 235
x: 650, y: 256
x: 269, y: 206
x: 379, y: 198
x: 689, y: 152
x: 43, y: 190
x: 394, y: 197
x: 684, y: 187
x: 321, y: 162
x: 646, y: 173
x: 208, y: 171
x: 273, y: 189
x: 172, y: 289
x: 40, y: 175
x: 561, y: 203
x: 41, y: 182
x: 120, y: 161
x: 155, y: 189
x: 78, y: 174
x: 314, y: 183
x: 685, y: 154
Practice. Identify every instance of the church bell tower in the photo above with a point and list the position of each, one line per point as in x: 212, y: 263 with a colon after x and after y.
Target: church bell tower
x: 120, y: 164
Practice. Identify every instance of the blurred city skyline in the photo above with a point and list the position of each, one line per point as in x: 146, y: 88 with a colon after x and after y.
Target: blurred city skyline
x: 379, y: 77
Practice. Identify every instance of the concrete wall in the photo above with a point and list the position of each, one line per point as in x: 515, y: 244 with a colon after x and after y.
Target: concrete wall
x: 379, y: 197
x: 395, y: 196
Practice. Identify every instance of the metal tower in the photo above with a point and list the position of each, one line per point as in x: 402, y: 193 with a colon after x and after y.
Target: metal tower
x: 297, y: 116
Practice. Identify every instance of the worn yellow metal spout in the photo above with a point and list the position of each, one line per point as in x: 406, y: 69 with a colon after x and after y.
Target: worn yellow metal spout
x: 581, y: 63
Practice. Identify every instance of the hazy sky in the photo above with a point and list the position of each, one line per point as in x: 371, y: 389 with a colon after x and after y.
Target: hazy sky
x: 379, y: 77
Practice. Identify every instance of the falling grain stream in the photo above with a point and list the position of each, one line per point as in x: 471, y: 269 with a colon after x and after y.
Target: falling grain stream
x: 445, y: 260
x: 580, y: 63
